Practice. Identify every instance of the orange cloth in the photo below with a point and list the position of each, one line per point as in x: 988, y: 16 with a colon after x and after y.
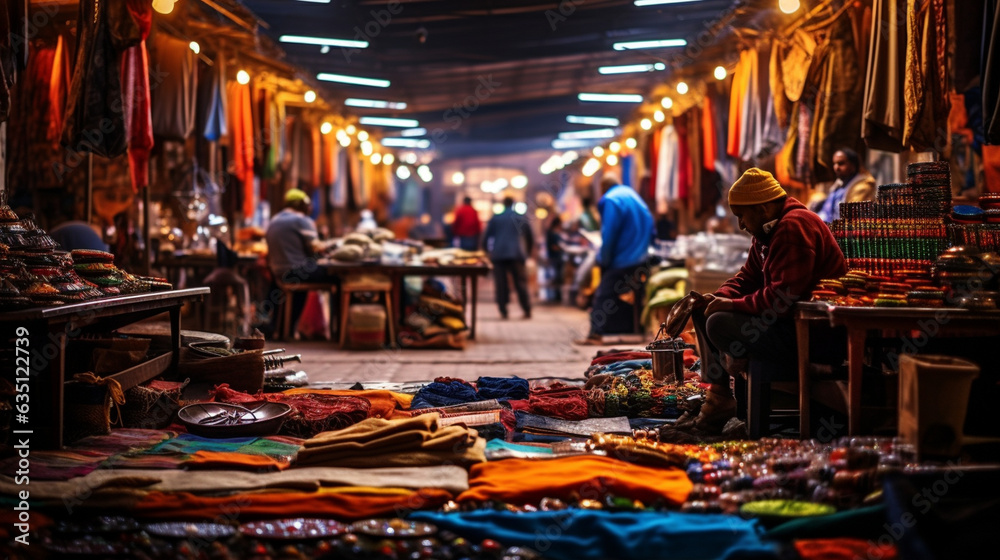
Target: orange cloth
x: 58, y: 89
x: 991, y: 166
x: 230, y: 460
x: 334, y: 503
x: 741, y: 82
x: 384, y: 403
x: 709, y: 143
x: 518, y: 481
x: 843, y: 549
x: 241, y: 139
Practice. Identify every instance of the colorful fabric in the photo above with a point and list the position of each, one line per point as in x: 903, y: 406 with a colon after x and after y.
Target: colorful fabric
x: 135, y: 95
x: 280, y: 448
x: 567, y: 403
x: 524, y: 481
x: 241, y: 139
x: 594, y: 534
x: 844, y: 549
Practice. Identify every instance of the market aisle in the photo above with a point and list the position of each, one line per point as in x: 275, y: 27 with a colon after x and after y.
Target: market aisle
x: 538, y: 347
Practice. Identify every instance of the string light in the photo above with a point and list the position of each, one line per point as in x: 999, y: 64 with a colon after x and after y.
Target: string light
x: 351, y: 129
x: 376, y: 158
x: 631, y: 142
x: 387, y: 159
x: 309, y: 96
x: 242, y: 77
x: 667, y: 103
x: 658, y: 116
x: 612, y: 159
x: 615, y: 147
x: 682, y: 88
x: 646, y: 124
x: 326, y: 128
x: 362, y: 135
x: 457, y: 178
x: 195, y: 47
x: 788, y: 6
x: 598, y: 151
x: 164, y: 6
x: 720, y: 73
x: 403, y: 172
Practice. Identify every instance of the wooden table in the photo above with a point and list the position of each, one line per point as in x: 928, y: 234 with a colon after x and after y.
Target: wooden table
x: 396, y: 272
x: 46, y: 330
x: 859, y: 321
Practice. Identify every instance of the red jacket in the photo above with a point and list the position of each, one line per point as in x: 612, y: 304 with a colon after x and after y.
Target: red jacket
x: 466, y: 222
x: 800, y: 251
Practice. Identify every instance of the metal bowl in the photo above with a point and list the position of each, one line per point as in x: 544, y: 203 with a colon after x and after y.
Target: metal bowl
x: 223, y: 420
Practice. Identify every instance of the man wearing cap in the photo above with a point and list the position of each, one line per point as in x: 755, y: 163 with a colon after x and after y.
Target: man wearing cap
x: 750, y: 315
x: 292, y: 246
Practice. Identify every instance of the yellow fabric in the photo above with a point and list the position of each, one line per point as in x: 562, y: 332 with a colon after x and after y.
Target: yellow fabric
x: 295, y: 195
x: 755, y: 186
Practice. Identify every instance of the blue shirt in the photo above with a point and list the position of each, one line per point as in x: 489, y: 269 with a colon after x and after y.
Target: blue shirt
x: 626, y: 228
x: 830, y: 210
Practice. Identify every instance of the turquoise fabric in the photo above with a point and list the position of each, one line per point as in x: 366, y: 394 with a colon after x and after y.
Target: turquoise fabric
x: 598, y: 534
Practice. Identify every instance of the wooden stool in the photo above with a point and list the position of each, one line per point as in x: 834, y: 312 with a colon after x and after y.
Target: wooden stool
x: 287, y: 290
x: 367, y: 283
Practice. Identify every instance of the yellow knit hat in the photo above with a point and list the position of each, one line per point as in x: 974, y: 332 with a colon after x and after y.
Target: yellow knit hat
x: 295, y: 195
x: 755, y: 186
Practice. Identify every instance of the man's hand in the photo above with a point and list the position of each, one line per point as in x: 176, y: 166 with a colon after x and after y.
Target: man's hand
x: 717, y: 304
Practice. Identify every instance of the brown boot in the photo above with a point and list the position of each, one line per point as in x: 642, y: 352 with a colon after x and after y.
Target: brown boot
x: 718, y: 408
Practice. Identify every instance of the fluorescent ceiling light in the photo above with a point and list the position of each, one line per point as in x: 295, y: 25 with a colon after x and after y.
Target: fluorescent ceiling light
x: 658, y: 44
x: 323, y: 41
x: 581, y: 134
x: 343, y: 79
x: 562, y: 144
x: 411, y: 132
x: 386, y: 121
x: 611, y: 97
x: 595, y: 121
x: 316, y: 1
x: 405, y: 143
x: 374, y: 103
x: 631, y: 68
x: 658, y: 2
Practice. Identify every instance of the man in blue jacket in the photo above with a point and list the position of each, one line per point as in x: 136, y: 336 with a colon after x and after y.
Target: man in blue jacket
x: 626, y: 232
x: 508, y: 241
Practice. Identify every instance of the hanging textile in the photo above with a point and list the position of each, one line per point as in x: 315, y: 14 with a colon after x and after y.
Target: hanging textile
x: 135, y: 95
x: 338, y: 188
x: 654, y: 162
x: 357, y: 178
x: 667, y: 188
x: 782, y: 105
x: 175, y: 91
x: 315, y: 145
x: 750, y: 117
x: 58, y: 90
x: 3, y: 156
x: 737, y: 104
x: 839, y: 101
x: 95, y: 121
x: 882, y: 127
x: 13, y: 49
x: 991, y: 73
x: 212, y: 101
x: 241, y: 140
x: 694, y: 144
x: 683, y: 158
x: 267, y: 132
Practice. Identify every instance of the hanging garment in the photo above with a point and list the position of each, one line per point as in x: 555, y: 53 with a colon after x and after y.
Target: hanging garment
x: 58, y: 90
x: 737, y: 94
x: 782, y: 105
x: 667, y: 189
x: 991, y: 73
x: 212, y: 101
x: 175, y: 87
x: 724, y: 165
x: 683, y: 158
x: 13, y: 49
x: 751, y: 125
x: 882, y: 127
x: 838, y: 108
x: 796, y: 63
x: 338, y: 189
x: 694, y: 143
x: 654, y: 162
x: 95, y: 120
x: 135, y: 95
x: 772, y: 134
x: 241, y: 141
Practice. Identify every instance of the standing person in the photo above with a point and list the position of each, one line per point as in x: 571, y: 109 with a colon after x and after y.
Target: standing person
x: 589, y: 219
x: 852, y: 185
x: 466, y: 228
x: 750, y: 315
x: 557, y: 257
x: 292, y: 246
x: 509, y: 242
x: 626, y: 232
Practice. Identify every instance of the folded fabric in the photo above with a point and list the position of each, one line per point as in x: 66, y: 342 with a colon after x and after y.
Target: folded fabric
x: 568, y: 403
x: 502, y: 388
x: 620, y: 357
x: 476, y: 453
x: 383, y: 403
x: 378, y: 431
x: 229, y: 460
x: 595, y: 534
x: 338, y: 504
x: 523, y: 481
x: 844, y: 549
x: 444, y: 394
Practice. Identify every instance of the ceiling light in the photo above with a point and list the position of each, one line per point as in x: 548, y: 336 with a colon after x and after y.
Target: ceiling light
x: 563, y: 144
x: 309, y: 96
x: 541, y: 213
x: 612, y: 159
x: 631, y: 143
x: 457, y: 178
x: 667, y: 103
x: 631, y: 68
x: 682, y: 88
x: 374, y: 103
x: 788, y: 6
x: 615, y: 147
x: 720, y: 73
x: 519, y: 181
x: 598, y: 151
x: 355, y: 80
x: 326, y: 128
x: 164, y: 6
x: 376, y: 158
x: 656, y: 44
x: 657, y: 2
x: 425, y: 174
x: 611, y: 97
x: 409, y: 158
x: 594, y: 121
x: 646, y: 124
x: 520, y: 207
x: 386, y: 121
x: 324, y: 49
x: 403, y: 172
x: 592, y: 166
x: 362, y: 135
x: 316, y: 1
x: 194, y: 46
x: 351, y: 129
x: 367, y: 148
x: 486, y: 186
x: 587, y: 134
x: 242, y: 77
x: 411, y: 132
x: 323, y: 41
x: 388, y: 159
x: 658, y: 116
x: 569, y: 157
x: 500, y: 184
x: 498, y: 208
x: 344, y: 140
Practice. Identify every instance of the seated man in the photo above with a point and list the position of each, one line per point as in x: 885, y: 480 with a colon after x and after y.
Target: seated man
x: 292, y: 246
x: 750, y: 315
